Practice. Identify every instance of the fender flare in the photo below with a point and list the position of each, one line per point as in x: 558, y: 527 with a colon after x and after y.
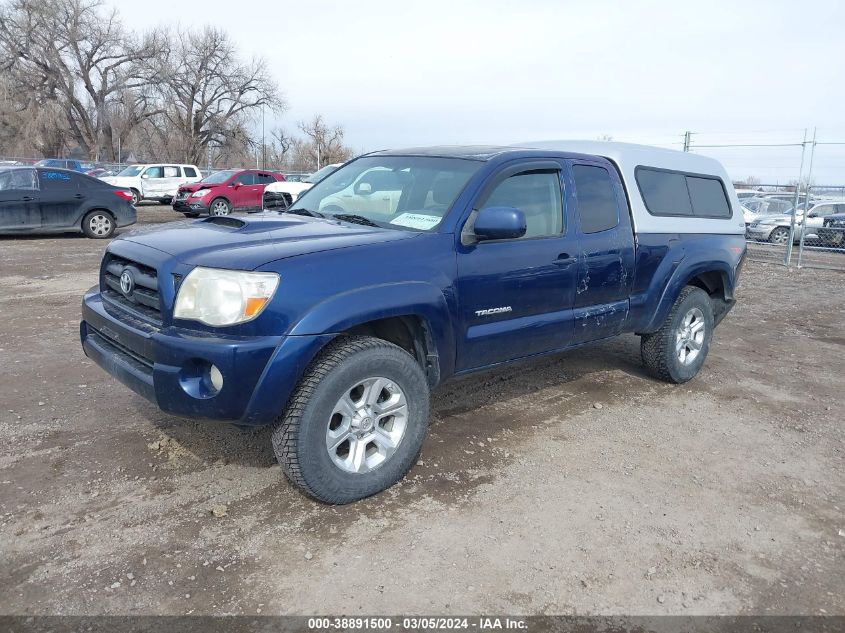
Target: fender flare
x: 681, y: 276
x: 344, y: 311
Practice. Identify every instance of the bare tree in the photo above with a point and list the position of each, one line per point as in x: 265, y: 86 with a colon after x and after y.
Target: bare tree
x: 324, y: 143
x: 211, y: 94
x: 76, y: 55
x: 748, y: 181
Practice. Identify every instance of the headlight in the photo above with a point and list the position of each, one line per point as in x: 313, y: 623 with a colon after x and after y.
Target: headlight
x: 224, y: 297
x: 200, y: 193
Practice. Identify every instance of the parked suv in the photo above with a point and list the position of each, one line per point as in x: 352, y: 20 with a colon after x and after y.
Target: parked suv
x: 776, y: 228
x: 334, y: 327
x: 225, y: 191
x: 159, y: 181
x: 832, y: 233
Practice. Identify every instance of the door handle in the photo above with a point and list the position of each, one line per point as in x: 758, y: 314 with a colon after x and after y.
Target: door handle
x: 78, y: 196
x: 565, y: 260
x: 27, y: 198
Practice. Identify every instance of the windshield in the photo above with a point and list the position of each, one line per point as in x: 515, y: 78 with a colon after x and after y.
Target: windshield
x: 218, y: 177
x: 134, y: 170
x: 401, y: 192
x: 318, y: 175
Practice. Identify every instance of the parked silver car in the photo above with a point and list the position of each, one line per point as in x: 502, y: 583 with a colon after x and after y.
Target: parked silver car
x: 775, y: 228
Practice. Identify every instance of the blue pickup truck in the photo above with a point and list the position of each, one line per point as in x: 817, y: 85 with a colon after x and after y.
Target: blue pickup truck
x: 334, y: 319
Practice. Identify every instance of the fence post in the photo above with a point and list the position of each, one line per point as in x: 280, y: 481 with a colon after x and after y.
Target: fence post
x: 788, y: 256
x: 806, y: 199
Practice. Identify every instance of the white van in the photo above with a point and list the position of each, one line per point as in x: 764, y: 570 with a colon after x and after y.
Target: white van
x: 158, y: 181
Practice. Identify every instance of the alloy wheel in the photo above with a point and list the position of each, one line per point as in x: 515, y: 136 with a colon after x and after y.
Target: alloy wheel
x: 366, y: 425
x: 689, y: 337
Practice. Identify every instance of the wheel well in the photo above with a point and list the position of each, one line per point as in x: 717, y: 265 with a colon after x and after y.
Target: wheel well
x: 216, y: 198
x: 84, y: 215
x: 411, y: 333
x: 711, y: 282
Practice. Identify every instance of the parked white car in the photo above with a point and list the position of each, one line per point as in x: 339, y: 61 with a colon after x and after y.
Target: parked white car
x: 158, y: 181
x: 284, y: 193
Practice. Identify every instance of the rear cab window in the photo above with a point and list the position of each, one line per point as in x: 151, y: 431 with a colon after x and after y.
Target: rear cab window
x: 674, y: 193
x: 190, y: 172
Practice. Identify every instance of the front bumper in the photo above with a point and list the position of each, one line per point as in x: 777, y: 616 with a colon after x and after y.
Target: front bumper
x: 170, y: 366
x: 760, y: 231
x: 189, y: 205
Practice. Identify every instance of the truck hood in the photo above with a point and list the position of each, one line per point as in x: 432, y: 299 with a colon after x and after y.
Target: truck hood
x: 246, y: 243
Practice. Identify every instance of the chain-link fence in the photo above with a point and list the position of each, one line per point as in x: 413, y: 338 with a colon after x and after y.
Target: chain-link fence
x: 787, y: 227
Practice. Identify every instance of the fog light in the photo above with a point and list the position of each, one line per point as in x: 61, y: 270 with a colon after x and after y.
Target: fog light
x: 216, y: 377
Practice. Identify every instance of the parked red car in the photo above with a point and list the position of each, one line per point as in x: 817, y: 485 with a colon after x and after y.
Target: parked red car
x: 224, y: 191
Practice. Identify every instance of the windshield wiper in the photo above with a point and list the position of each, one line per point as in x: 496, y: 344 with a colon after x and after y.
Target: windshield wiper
x: 355, y: 219
x: 308, y: 212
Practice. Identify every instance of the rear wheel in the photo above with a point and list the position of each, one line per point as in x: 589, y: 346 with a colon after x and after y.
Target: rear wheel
x: 98, y: 224
x: 356, y: 422
x: 136, y: 197
x: 220, y: 206
x: 676, y: 352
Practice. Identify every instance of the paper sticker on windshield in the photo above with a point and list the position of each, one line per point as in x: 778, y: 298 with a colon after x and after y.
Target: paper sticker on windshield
x: 416, y: 220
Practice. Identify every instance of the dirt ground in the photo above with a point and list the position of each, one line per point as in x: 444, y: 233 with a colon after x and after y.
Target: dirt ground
x: 570, y: 485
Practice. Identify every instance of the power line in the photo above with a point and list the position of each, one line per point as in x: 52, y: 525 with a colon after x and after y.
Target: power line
x: 754, y: 145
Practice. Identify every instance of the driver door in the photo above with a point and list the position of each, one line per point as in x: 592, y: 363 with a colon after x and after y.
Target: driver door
x: 516, y: 296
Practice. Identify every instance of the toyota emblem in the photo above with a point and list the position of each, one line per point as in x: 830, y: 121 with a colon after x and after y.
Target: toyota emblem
x: 127, y: 282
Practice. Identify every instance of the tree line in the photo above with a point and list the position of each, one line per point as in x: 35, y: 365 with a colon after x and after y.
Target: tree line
x: 75, y: 81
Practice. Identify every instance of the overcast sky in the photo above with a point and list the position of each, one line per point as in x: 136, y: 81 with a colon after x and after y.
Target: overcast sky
x: 398, y: 73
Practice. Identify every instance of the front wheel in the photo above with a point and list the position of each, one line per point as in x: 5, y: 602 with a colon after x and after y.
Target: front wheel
x: 676, y: 352
x: 220, y: 206
x: 780, y: 235
x: 356, y: 422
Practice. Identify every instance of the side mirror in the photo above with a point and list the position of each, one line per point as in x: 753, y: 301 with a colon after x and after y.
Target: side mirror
x: 499, y: 223
x: 145, y: 175
x: 363, y: 189
x: 236, y: 184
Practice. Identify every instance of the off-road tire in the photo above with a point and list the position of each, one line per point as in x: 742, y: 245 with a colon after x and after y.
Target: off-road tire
x: 299, y: 435
x: 658, y: 349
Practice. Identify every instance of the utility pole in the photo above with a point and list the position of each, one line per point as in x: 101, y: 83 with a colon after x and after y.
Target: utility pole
x: 687, y: 135
x: 263, y: 142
